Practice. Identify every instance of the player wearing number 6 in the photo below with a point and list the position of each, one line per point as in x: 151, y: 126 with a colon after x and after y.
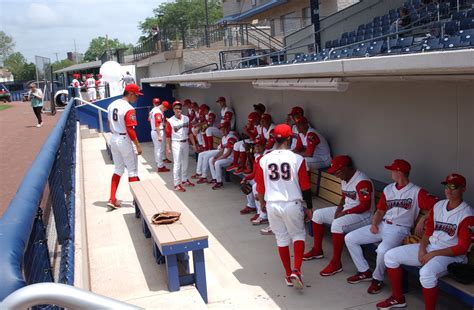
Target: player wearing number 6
x: 282, y: 184
x: 122, y: 121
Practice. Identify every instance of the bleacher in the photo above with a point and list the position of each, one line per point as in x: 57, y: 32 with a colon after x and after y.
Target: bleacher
x: 446, y: 25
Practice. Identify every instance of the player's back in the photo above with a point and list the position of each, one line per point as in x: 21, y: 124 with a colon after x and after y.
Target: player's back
x: 280, y: 174
x: 116, y: 115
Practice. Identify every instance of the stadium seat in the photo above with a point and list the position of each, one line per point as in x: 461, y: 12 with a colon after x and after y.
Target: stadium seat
x: 360, y: 51
x: 470, y: 13
x: 412, y: 49
x: 361, y: 27
x: 368, y: 36
x: 345, y: 35
x: 351, y: 40
x: 374, y: 50
x: 359, y: 38
x: 451, y: 27
x: 328, y: 44
x: 405, y: 42
x: 451, y: 42
x: 432, y: 44
x: 360, y: 32
x: 343, y: 42
x: 458, y: 16
x: 369, y: 26
x: 376, y: 21
x: 335, y: 43
x: 467, y: 23
x: 444, y: 9
x: 352, y: 34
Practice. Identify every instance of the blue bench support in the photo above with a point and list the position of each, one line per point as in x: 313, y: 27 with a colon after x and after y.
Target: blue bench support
x: 137, y: 210
x: 146, y: 230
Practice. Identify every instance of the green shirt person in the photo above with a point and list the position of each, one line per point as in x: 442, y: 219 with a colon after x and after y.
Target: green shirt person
x: 35, y: 95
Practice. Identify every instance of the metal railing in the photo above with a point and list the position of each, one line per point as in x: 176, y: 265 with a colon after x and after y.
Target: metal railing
x: 24, y: 255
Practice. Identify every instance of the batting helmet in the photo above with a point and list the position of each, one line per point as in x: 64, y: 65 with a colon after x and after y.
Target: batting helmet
x: 166, y: 104
x: 156, y: 101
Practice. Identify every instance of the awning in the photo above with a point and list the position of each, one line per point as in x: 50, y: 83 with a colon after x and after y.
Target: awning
x: 247, y: 14
x: 81, y: 66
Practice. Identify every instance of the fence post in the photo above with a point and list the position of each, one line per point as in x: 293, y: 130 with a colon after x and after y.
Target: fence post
x: 101, y: 125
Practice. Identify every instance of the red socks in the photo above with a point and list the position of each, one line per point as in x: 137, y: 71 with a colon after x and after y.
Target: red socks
x: 284, y: 252
x: 243, y: 159
x: 236, y: 158
x: 337, y: 245
x: 395, y: 275
x: 298, y: 248
x: 318, y: 234
x: 113, y: 187
x: 210, y: 142
x: 430, y: 296
x: 133, y: 179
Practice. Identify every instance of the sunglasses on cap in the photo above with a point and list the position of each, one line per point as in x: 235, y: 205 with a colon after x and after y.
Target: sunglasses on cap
x: 451, y: 186
x: 177, y: 108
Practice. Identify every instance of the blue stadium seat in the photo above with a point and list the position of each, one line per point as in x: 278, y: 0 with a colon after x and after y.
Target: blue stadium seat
x: 328, y: 44
x: 412, y: 49
x: 467, y: 23
x: 362, y: 26
x: 376, y: 21
x: 352, y: 34
x: 458, y: 16
x: 451, y: 42
x: 351, y: 40
x: 432, y: 44
x: 360, y: 32
x: 424, y: 18
x: 360, y: 51
x: 345, y: 35
x: 451, y: 27
x: 335, y: 54
x: 359, y: 38
x: 343, y: 42
x: 335, y: 43
x: 467, y: 37
x: 374, y: 50
x: 368, y: 36
x: 444, y: 9
x: 369, y: 26
x: 470, y: 13
x: 405, y: 42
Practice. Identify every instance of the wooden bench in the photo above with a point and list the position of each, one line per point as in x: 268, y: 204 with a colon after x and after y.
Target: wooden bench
x: 107, y: 136
x: 328, y: 190
x: 171, y: 243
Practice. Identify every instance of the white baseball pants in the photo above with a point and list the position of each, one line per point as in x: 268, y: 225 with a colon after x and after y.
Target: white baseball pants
x: 343, y: 224
x: 287, y: 221
x: 317, y: 163
x: 124, y: 155
x: 239, y: 145
x: 91, y: 93
x: 158, y: 148
x: 260, y: 213
x: 102, y: 93
x: 180, y: 152
x: 251, y: 201
x: 213, y: 131
x: 216, y: 169
x: 203, y: 162
x: 430, y: 272
x: 390, y: 236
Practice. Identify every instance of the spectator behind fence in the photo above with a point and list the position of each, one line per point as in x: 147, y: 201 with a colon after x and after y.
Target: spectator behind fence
x: 402, y: 22
x: 35, y: 95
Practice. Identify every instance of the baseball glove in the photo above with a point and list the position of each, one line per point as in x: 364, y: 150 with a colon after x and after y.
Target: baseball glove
x: 246, y: 188
x: 165, y: 217
x: 411, y: 239
x: 462, y: 273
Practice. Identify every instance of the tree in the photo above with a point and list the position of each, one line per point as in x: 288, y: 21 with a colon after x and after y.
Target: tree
x: 20, y: 69
x: 58, y: 65
x: 181, y: 15
x: 6, y: 46
x: 98, y: 46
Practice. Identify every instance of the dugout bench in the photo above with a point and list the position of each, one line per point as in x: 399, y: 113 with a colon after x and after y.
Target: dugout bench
x: 171, y: 243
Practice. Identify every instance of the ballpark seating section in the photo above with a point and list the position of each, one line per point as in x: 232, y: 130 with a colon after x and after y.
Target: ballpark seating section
x: 432, y: 28
x: 171, y: 243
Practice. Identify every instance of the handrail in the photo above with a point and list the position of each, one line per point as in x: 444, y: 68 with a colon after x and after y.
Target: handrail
x: 61, y: 295
x: 191, y: 70
x: 89, y: 103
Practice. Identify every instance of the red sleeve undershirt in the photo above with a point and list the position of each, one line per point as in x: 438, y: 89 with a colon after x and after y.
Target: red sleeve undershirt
x: 364, y: 192
x: 168, y: 130
x: 303, y: 177
x: 259, y: 180
x: 464, y: 237
x: 425, y: 200
x: 230, y: 143
x: 299, y: 144
x: 158, y: 120
x: 382, y: 204
x: 251, y: 176
x: 312, y: 141
x: 429, y: 224
x: 130, y: 123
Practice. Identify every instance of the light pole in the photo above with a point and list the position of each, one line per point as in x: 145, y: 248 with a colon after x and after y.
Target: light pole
x: 206, y: 31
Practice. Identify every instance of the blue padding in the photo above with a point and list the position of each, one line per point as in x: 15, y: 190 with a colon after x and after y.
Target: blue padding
x: 17, y: 222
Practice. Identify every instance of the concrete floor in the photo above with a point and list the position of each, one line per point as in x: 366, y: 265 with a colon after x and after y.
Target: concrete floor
x: 243, y: 267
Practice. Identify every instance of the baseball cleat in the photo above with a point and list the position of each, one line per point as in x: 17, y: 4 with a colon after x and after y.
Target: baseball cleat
x: 392, y: 302
x: 179, y: 188
x: 218, y: 185
x: 296, y: 279
x: 113, y: 204
x: 375, y: 287
x: 167, y: 161
x: 253, y: 218
x: 288, y: 281
x: 188, y: 183
x: 196, y: 176
x: 248, y: 171
x: 238, y: 171
x: 313, y: 254
x: 231, y: 167
x: 331, y: 269
x: 202, y: 181
x: 247, y: 210
x: 259, y: 221
x: 360, y: 277
x: 213, y: 181
x: 266, y: 231
x: 163, y: 169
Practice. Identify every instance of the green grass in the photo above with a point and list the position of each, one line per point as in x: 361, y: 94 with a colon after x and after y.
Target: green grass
x: 4, y: 107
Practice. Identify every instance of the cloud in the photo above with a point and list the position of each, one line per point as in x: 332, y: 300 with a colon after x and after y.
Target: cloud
x: 40, y: 15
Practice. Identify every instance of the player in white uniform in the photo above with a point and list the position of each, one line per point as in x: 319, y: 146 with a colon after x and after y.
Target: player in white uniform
x: 90, y: 86
x: 282, y: 184
x: 396, y: 213
x: 267, y: 132
x: 122, y: 120
x: 76, y: 85
x: 446, y: 240
x: 311, y: 145
x: 100, y: 84
x: 178, y: 131
x: 222, y: 159
x: 157, y: 122
x: 352, y: 212
x: 295, y: 113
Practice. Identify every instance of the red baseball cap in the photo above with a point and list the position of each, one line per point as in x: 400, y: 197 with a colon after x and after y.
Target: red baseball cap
x: 194, y: 105
x: 187, y: 102
x: 399, y: 165
x: 339, y: 162
x: 282, y: 131
x: 301, y: 120
x: 267, y: 117
x: 156, y: 100
x: 296, y: 110
x: 253, y: 116
x: 133, y: 89
x: 260, y: 107
x: 204, y: 107
x: 220, y: 99
x: 176, y: 102
x: 166, y: 104
x: 99, y: 75
x: 455, y: 179
x: 76, y: 75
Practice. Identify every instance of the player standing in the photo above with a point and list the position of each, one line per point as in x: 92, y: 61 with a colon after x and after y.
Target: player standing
x: 282, y: 183
x: 446, y: 240
x: 100, y: 83
x: 90, y: 86
x: 76, y: 85
x: 396, y: 213
x: 122, y: 121
x: 178, y: 131
x: 157, y: 122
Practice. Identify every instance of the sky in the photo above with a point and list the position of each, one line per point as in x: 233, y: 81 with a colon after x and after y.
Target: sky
x: 47, y: 27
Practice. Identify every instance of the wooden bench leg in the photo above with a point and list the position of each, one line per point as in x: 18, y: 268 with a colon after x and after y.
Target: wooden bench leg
x: 159, y: 258
x: 146, y: 230
x: 172, y: 272
x: 137, y: 210
x: 200, y: 273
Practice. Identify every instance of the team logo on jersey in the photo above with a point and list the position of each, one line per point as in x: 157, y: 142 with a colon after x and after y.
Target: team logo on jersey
x: 448, y: 228
x: 400, y: 203
x: 133, y: 117
x: 350, y: 194
x: 311, y: 138
x: 178, y: 127
x: 364, y: 191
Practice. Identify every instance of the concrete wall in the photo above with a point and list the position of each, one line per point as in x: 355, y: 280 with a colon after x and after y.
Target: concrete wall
x: 169, y: 67
x: 200, y: 57
x: 428, y: 123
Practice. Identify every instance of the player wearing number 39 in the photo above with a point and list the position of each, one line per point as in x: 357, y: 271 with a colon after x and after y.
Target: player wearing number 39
x: 282, y: 184
x: 122, y: 121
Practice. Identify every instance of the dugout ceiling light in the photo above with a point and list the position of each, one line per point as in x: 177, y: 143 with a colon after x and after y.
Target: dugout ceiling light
x: 331, y: 84
x: 157, y: 84
x: 195, y: 84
